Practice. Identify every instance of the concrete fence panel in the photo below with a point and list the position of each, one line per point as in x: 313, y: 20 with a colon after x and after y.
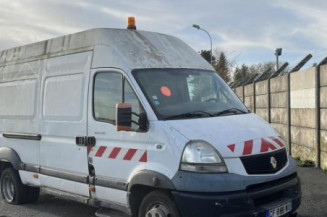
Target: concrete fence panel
x: 279, y: 115
x: 279, y: 104
x: 303, y: 114
x: 278, y: 100
x: 249, y: 96
x: 278, y: 84
x: 261, y: 88
x: 239, y: 92
x: 261, y: 99
x: 323, y: 116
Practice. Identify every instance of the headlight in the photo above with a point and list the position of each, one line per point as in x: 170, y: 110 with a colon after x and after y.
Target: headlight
x: 199, y: 156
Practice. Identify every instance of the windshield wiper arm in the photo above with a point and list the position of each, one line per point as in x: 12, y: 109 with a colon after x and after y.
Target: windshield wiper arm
x: 231, y: 110
x: 194, y: 114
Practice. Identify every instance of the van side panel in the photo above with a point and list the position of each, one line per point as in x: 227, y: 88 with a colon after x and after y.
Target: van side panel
x: 19, y: 96
x: 63, y: 118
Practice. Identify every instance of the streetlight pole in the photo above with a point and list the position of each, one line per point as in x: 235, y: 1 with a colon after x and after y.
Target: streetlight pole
x: 278, y: 53
x: 198, y: 27
x: 277, y: 62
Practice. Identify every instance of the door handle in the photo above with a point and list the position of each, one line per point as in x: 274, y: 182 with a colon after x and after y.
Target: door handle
x: 85, y: 141
x: 90, y: 141
x: 80, y: 140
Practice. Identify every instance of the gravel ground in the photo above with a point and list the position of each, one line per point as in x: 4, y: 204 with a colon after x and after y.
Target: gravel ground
x: 314, y: 204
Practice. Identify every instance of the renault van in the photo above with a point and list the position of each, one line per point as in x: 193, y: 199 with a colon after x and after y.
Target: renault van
x: 137, y: 122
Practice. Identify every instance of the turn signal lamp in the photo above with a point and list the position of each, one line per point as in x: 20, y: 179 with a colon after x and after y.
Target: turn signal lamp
x: 131, y: 23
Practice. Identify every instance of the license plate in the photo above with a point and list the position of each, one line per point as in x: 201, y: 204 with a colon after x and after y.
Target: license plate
x: 279, y: 211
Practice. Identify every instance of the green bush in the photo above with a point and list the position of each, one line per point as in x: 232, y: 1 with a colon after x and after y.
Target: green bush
x: 304, y: 163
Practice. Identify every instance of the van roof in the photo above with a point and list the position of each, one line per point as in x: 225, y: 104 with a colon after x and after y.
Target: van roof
x: 137, y: 49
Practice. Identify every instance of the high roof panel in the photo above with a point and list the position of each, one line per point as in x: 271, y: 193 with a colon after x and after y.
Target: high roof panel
x: 138, y: 49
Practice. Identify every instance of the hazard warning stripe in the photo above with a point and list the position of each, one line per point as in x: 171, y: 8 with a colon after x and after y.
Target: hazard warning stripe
x: 100, y: 151
x: 114, y: 153
x: 89, y: 149
x: 130, y: 153
x: 144, y: 157
x: 263, y: 145
x: 277, y: 141
x: 266, y: 146
x: 231, y: 147
x: 248, y: 146
x: 118, y: 153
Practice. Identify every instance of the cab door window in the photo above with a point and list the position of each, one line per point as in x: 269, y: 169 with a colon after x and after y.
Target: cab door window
x: 108, y: 91
x: 130, y: 96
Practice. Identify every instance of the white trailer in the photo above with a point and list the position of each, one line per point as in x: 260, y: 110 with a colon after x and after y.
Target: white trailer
x: 139, y: 122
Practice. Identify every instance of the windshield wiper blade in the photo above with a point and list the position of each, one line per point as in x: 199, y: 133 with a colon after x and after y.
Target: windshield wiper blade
x: 189, y: 115
x: 230, y: 111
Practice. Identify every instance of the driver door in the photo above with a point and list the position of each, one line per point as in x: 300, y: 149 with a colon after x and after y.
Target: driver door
x: 116, y: 154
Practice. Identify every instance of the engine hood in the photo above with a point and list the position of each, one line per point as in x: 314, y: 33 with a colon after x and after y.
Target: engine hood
x: 233, y: 135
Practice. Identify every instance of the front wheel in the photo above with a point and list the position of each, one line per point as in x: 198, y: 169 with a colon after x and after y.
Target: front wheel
x: 12, y: 189
x: 158, y: 204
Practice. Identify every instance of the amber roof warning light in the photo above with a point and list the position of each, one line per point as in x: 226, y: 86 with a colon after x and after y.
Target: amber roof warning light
x: 131, y: 23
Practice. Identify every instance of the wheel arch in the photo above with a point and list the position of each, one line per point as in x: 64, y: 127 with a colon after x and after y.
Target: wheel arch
x: 8, y: 155
x: 144, y: 182
x: 151, y: 179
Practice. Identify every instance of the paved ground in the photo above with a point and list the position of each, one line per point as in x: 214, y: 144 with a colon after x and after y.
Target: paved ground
x: 314, y: 189
x: 314, y: 186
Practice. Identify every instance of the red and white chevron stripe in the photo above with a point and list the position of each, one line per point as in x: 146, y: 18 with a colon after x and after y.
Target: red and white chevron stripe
x: 257, y: 146
x: 118, y: 153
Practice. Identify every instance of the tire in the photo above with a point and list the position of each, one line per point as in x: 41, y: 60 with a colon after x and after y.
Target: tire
x: 33, y: 194
x: 158, y: 204
x: 12, y: 189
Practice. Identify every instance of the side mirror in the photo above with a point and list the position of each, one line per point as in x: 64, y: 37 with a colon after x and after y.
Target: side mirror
x: 123, y: 116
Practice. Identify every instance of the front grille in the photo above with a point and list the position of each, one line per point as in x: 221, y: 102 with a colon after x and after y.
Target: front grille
x: 261, y: 164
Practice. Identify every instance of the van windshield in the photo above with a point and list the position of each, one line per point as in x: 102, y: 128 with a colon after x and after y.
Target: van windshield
x: 184, y: 93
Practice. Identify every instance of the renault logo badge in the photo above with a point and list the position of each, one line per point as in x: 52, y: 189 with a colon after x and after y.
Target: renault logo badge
x: 273, y: 162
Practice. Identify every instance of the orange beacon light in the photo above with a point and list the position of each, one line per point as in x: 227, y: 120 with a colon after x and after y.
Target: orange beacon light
x: 131, y: 23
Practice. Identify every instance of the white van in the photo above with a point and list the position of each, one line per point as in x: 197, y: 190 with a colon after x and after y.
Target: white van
x: 137, y: 122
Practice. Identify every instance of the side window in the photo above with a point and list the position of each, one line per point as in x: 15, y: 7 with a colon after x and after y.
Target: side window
x: 136, y: 105
x: 107, y: 92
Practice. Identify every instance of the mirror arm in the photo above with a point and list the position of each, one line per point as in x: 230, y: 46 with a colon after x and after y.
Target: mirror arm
x: 137, y: 115
x: 136, y: 123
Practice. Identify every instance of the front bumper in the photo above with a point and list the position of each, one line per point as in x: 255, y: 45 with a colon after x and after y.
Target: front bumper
x: 254, y: 201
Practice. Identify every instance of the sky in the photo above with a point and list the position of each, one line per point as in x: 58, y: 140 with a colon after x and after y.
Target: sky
x: 248, y: 31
